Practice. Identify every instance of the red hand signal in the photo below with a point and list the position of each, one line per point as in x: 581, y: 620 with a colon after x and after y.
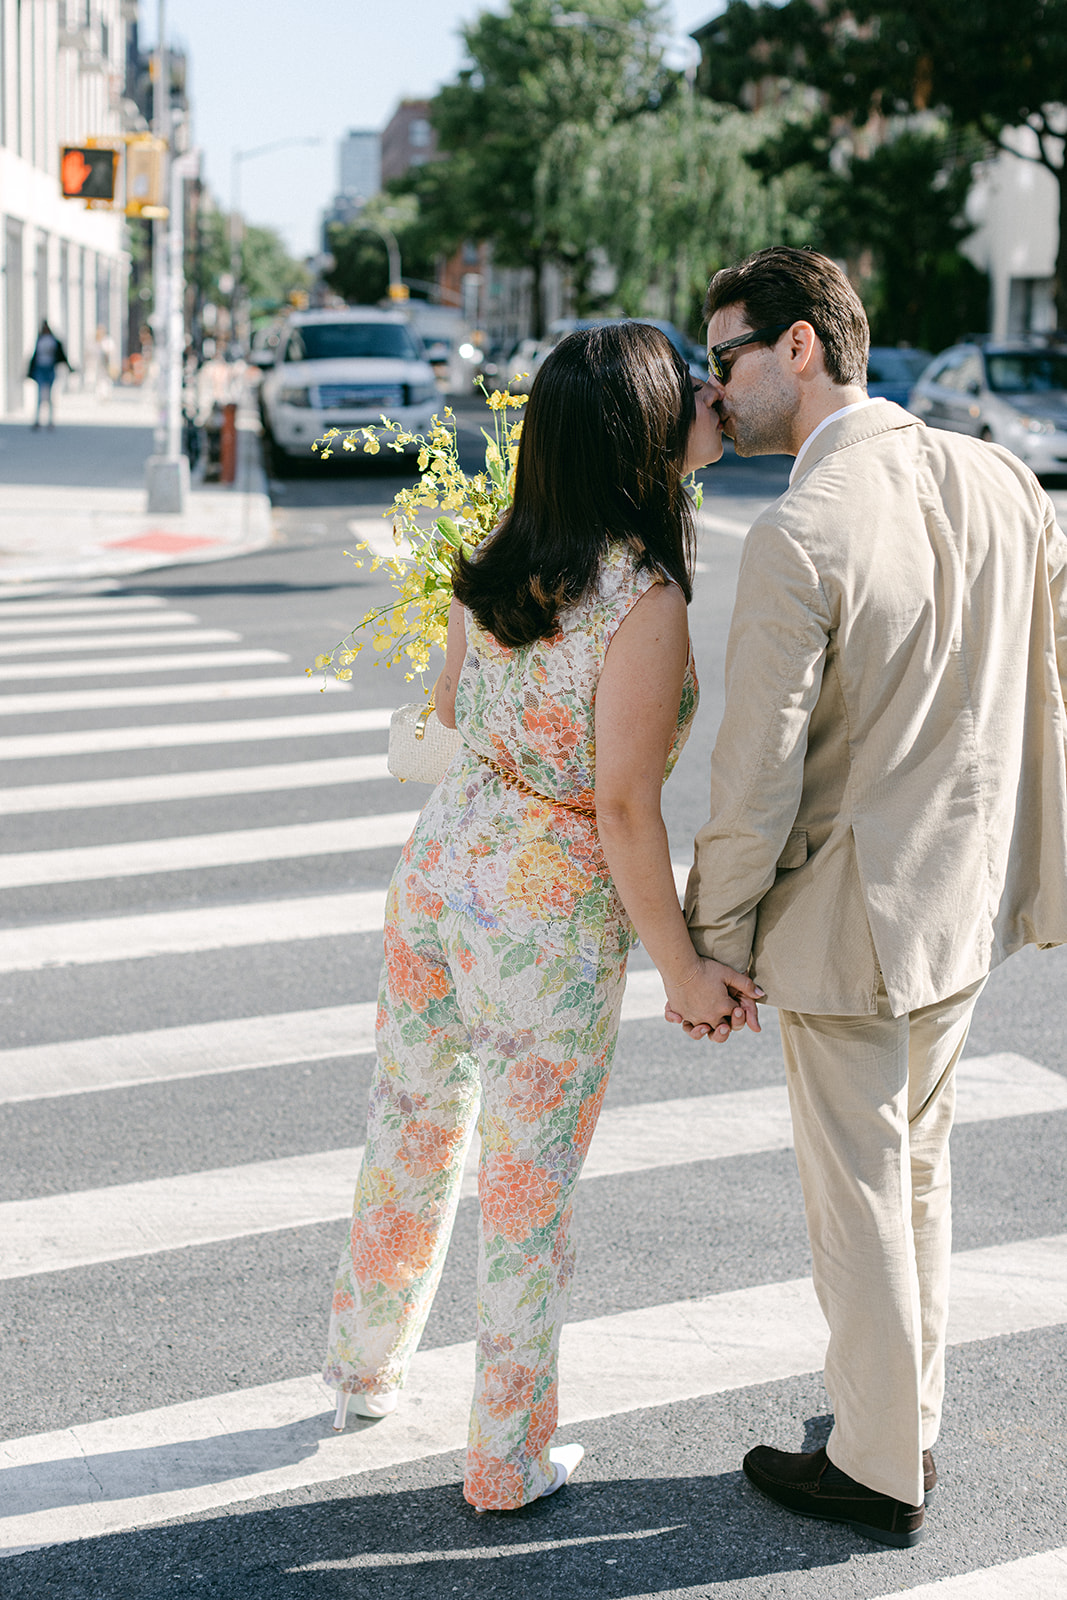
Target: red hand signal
x: 73, y: 172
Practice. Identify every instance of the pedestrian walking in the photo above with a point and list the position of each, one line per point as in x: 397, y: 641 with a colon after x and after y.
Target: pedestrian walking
x: 517, y: 898
x: 48, y: 354
x: 888, y: 822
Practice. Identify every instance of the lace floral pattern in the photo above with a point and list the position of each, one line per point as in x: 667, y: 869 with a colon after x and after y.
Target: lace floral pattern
x: 505, y: 963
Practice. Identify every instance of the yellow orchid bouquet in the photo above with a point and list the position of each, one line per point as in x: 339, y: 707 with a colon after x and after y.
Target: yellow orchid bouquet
x: 468, y: 507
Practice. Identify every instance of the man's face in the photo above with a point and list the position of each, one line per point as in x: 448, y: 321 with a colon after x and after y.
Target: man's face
x: 759, y: 401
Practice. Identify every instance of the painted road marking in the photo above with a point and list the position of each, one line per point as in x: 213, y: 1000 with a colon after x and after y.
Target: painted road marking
x: 113, y: 666
x: 126, y: 1472
x: 58, y: 1232
x: 192, y: 852
x: 159, y: 694
x: 99, y: 741
x: 157, y: 787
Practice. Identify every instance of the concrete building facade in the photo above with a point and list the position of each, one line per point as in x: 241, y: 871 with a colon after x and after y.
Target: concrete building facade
x: 62, y: 81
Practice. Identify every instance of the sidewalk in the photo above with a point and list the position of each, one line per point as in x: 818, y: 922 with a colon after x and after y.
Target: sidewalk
x: 73, y: 502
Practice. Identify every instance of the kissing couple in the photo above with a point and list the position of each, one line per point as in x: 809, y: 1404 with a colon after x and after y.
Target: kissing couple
x: 888, y: 821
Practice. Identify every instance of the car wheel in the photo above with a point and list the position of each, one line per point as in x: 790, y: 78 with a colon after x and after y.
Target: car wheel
x: 986, y: 436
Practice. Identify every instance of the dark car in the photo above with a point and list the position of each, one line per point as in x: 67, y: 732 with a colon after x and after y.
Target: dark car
x: 893, y: 370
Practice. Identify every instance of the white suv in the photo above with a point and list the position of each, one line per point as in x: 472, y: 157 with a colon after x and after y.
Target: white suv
x: 344, y: 369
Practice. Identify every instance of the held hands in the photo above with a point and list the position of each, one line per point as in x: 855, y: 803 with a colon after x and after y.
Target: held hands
x: 714, y: 1001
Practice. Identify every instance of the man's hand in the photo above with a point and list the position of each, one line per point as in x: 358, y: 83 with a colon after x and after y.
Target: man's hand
x: 714, y: 1001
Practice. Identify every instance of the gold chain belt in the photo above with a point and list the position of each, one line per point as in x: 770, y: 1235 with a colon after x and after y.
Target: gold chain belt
x: 515, y: 782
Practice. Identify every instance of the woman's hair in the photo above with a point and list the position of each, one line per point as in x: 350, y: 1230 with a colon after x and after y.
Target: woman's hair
x: 603, y: 444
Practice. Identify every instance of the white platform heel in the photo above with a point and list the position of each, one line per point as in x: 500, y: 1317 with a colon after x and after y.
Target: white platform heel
x: 565, y: 1459
x: 367, y: 1406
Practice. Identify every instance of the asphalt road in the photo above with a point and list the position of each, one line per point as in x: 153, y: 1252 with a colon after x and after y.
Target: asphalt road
x: 126, y: 1311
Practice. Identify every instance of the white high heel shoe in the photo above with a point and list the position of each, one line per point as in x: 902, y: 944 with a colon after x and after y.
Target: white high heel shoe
x: 565, y: 1458
x: 363, y: 1405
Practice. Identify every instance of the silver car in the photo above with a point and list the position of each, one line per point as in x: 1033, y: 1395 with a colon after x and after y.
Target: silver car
x: 1013, y: 393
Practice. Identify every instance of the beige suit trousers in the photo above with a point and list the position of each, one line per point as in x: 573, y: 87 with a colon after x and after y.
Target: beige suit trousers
x: 872, y: 1100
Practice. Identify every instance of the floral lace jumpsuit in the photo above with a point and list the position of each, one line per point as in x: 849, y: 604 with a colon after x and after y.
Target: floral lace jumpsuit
x: 505, y: 961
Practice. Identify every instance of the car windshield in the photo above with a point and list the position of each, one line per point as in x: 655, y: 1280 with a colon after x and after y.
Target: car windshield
x: 896, y: 366
x: 327, y: 341
x: 1027, y: 371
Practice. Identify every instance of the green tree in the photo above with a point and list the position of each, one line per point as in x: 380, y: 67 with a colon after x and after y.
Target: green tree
x: 530, y: 73
x: 361, y: 258
x: 905, y: 203
x: 665, y: 199
x: 269, y: 273
x: 987, y: 66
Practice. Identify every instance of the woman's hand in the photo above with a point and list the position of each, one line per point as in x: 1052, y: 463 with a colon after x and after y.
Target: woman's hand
x: 714, y: 1001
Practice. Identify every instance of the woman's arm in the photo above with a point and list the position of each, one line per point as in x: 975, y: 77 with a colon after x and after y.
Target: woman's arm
x: 636, y: 713
x: 444, y: 694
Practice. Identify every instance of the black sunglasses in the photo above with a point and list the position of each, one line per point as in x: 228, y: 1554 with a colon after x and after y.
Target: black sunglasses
x: 757, y: 336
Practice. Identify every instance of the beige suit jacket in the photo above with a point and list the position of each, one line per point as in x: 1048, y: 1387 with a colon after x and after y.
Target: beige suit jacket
x: 889, y: 783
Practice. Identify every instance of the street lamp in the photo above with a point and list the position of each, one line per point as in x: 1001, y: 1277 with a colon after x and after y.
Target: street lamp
x: 236, y: 226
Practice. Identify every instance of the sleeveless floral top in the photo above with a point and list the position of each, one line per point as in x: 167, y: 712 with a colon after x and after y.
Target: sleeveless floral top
x: 514, y: 861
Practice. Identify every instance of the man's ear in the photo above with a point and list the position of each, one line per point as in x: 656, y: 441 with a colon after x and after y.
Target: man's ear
x: 805, y: 351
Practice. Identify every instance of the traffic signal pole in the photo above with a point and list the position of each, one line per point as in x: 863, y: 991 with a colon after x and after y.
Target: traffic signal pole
x: 167, y: 471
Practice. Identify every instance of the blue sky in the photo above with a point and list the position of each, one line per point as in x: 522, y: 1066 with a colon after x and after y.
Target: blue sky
x: 281, y: 69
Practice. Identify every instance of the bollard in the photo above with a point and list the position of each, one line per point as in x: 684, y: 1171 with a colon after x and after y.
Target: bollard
x: 228, y: 453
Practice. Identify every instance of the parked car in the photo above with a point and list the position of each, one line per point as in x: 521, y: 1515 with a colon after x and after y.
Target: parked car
x: 344, y: 369
x: 694, y: 355
x: 1013, y: 393
x: 893, y: 370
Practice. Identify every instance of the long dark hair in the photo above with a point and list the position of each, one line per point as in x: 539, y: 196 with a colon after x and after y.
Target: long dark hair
x: 603, y: 444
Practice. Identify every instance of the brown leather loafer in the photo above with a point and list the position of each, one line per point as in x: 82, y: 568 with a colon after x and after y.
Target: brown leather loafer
x: 811, y: 1485
x: 929, y: 1475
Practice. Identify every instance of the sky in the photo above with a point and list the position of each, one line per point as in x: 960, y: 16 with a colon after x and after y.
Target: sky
x: 282, y: 69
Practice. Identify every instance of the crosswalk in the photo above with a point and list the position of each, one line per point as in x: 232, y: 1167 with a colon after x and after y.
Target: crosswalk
x: 179, y: 808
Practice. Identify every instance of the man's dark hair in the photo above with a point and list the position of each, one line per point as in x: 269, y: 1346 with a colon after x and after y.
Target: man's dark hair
x: 783, y: 285
x: 603, y: 443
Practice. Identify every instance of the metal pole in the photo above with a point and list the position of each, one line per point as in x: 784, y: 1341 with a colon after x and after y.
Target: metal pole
x: 167, y: 471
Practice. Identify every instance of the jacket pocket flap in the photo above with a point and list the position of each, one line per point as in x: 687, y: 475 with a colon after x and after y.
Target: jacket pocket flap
x: 796, y: 850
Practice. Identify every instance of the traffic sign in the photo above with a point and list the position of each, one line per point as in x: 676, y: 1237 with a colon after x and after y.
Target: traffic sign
x: 86, y: 173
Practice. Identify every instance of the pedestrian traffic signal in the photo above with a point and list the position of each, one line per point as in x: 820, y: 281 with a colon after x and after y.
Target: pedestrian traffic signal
x: 146, y: 176
x: 86, y: 173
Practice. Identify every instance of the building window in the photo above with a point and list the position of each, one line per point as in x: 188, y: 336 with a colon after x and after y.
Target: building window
x: 420, y: 133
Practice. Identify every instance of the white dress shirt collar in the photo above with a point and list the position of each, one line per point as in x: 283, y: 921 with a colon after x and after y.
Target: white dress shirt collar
x: 857, y: 405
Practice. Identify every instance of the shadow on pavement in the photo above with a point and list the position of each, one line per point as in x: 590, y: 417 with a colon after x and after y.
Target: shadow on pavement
x: 599, y: 1540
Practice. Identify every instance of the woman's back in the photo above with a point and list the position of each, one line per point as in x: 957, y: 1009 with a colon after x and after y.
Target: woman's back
x: 509, y: 836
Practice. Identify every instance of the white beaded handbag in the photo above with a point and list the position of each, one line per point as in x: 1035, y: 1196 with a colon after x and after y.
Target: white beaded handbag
x: 421, y: 748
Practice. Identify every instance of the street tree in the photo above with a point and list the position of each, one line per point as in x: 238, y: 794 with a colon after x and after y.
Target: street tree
x: 664, y: 199
x: 269, y: 274
x: 986, y: 65
x: 360, y: 273
x: 533, y: 68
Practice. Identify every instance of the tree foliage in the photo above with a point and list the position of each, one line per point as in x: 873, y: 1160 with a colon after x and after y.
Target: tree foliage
x: 361, y: 257
x: 268, y: 272
x: 987, y: 66
x: 664, y: 199
x: 529, y: 74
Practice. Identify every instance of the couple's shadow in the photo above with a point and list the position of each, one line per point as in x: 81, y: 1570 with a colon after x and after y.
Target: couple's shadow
x: 614, y: 1538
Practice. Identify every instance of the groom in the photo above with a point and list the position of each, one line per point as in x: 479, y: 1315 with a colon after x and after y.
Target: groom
x: 888, y: 822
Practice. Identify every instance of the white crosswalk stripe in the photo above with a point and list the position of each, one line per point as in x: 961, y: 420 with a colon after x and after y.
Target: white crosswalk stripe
x: 163, y: 786
x: 161, y: 694
x: 101, y: 741
x: 127, y: 1472
x: 58, y: 644
x: 171, y: 933
x: 111, y: 666
x: 64, y: 1231
x: 200, y: 850
x: 94, y: 622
